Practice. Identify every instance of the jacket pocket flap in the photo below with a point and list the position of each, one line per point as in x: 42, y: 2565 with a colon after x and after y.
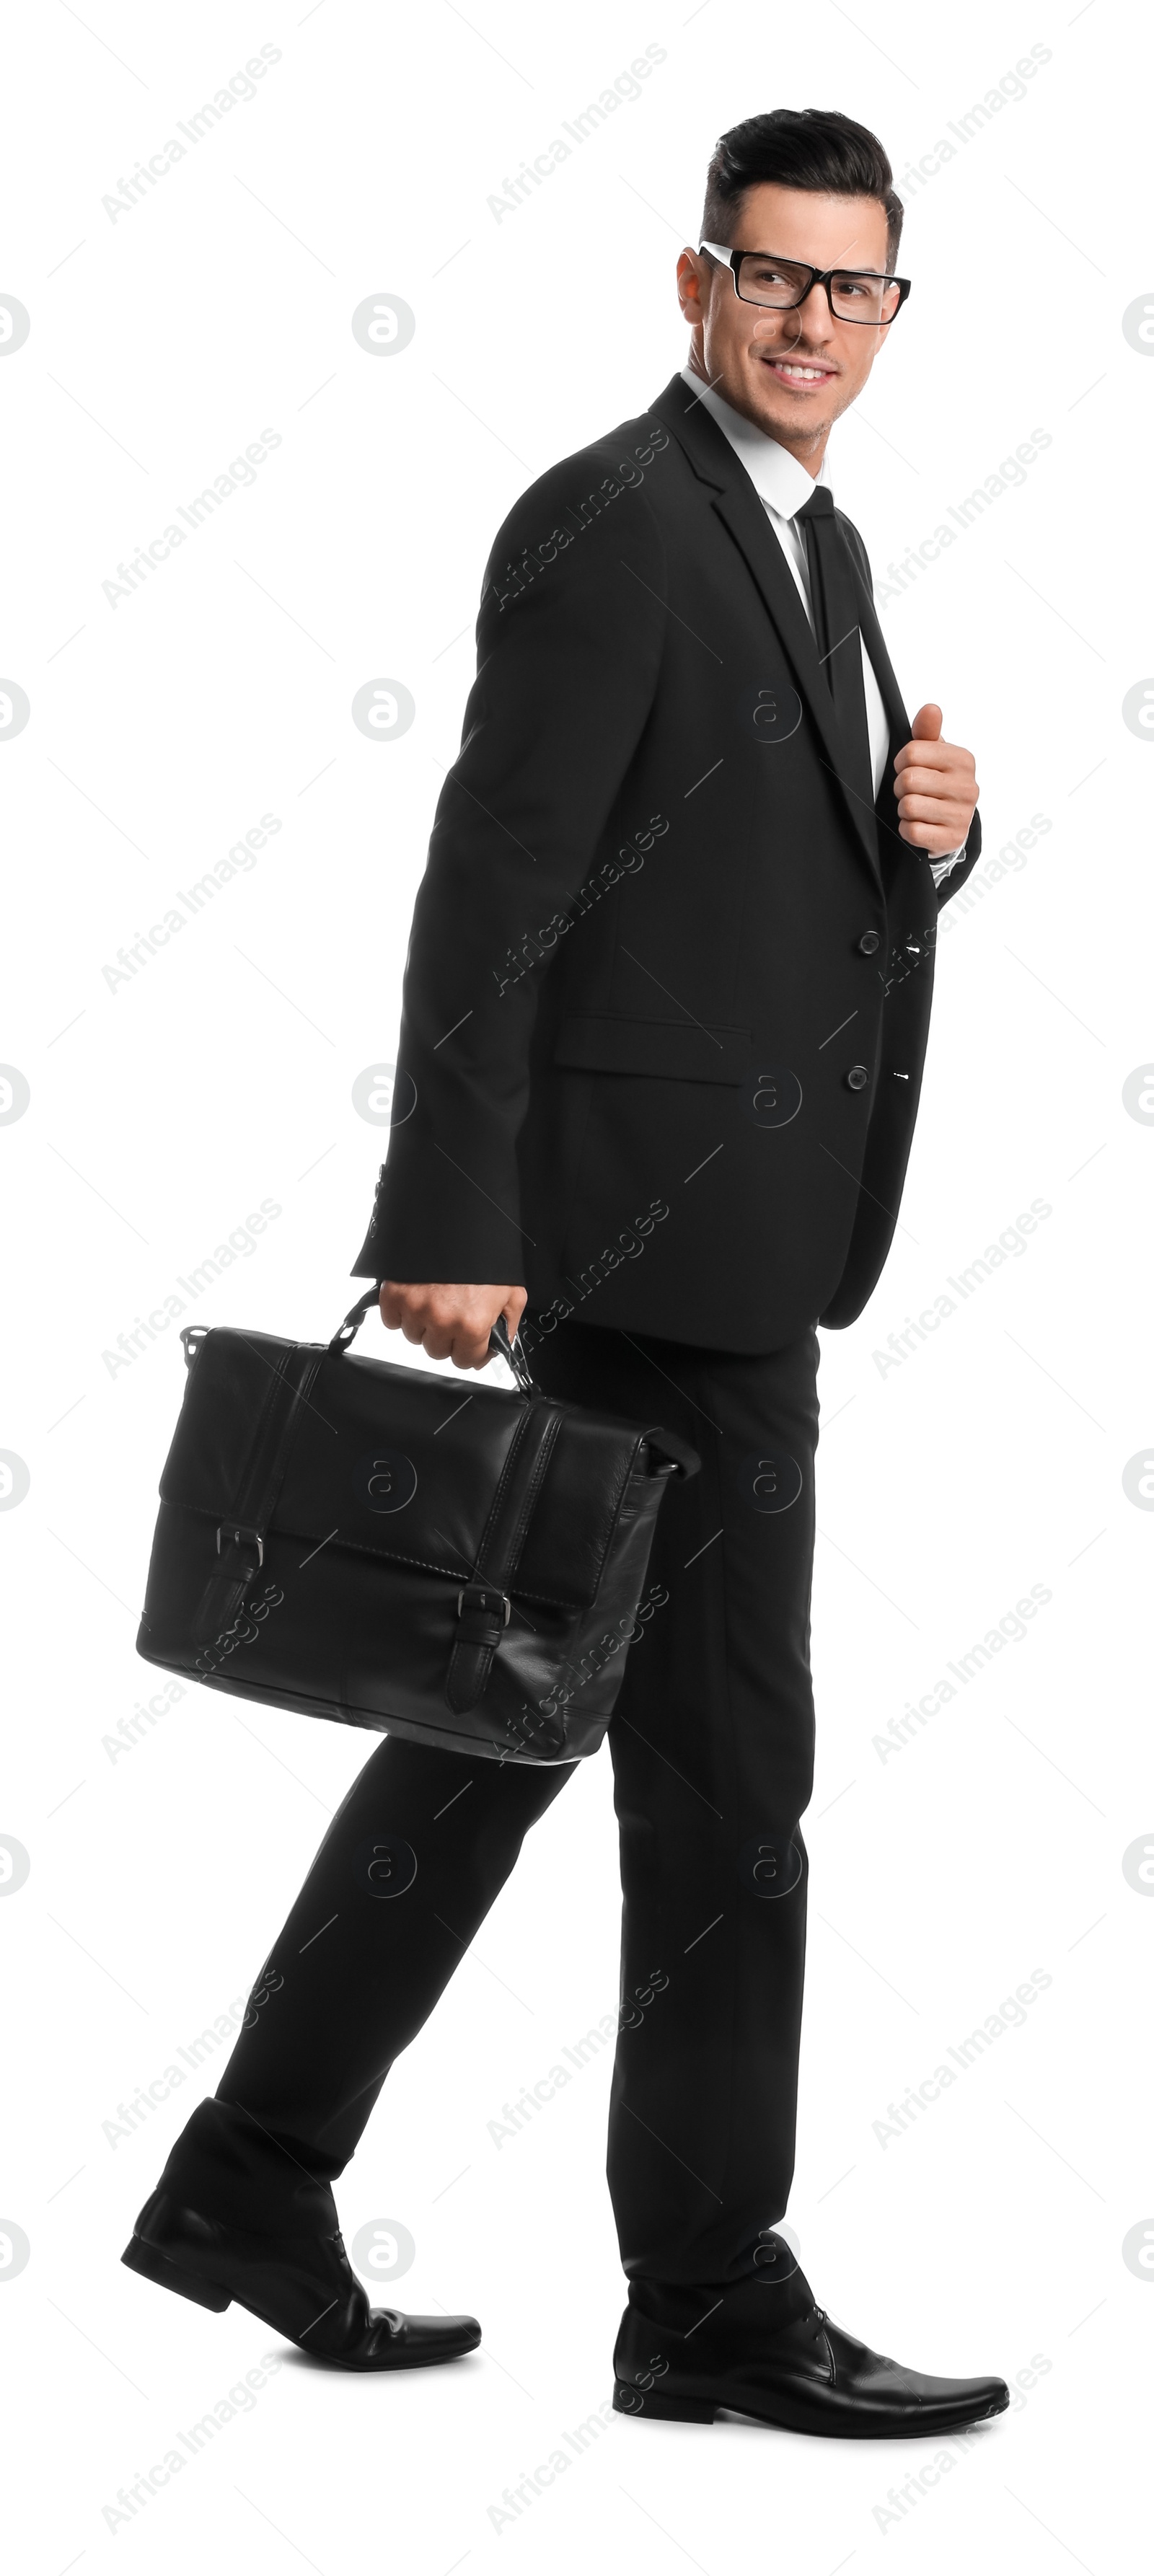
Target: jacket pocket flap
x: 674, y: 1050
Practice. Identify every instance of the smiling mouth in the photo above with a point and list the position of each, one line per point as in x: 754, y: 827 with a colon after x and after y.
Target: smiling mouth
x: 798, y: 371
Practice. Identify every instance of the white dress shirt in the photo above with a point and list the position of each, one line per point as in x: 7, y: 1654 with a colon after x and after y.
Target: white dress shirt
x: 783, y: 486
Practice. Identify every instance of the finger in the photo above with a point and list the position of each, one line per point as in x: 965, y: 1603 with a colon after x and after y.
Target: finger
x: 938, y: 774
x: 952, y: 836
x: 514, y: 1308
x: 927, y: 724
x: 931, y: 755
x: 468, y: 1350
x: 398, y: 1299
x: 948, y: 811
x: 936, y: 809
x: 927, y: 836
x: 932, y: 791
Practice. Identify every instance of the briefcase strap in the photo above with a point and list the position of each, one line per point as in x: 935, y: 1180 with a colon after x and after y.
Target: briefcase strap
x: 483, y: 1604
x: 240, y: 1539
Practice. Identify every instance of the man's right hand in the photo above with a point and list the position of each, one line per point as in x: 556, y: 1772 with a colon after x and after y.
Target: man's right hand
x: 451, y: 1322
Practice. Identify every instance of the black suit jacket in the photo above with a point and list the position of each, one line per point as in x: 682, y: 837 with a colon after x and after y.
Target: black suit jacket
x: 669, y: 980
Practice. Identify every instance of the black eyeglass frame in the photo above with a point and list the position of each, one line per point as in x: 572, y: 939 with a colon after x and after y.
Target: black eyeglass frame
x: 732, y: 260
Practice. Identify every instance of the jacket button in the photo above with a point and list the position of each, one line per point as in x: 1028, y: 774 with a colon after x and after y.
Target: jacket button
x: 857, y: 1077
x: 869, y: 943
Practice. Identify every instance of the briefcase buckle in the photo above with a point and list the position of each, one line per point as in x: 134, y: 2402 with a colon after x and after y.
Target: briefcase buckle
x: 238, y: 1534
x: 484, y: 1597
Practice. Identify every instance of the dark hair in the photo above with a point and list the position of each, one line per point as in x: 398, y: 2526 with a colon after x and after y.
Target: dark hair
x: 808, y: 147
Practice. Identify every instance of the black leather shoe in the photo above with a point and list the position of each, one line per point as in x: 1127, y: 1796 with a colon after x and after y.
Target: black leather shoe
x: 303, y: 2285
x: 806, y: 2375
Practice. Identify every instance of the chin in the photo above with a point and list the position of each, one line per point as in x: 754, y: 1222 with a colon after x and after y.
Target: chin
x: 784, y: 413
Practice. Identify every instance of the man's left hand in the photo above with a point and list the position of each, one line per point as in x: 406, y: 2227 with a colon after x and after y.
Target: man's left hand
x: 936, y: 788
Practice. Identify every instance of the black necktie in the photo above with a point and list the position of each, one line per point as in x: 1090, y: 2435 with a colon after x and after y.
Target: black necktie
x: 835, y: 615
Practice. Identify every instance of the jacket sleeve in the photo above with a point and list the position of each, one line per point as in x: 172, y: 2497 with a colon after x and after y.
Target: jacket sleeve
x: 569, y: 642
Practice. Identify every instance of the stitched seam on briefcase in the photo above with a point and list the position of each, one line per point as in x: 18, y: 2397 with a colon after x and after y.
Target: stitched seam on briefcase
x: 244, y: 1480
x: 470, y: 1659
x: 509, y: 1557
x: 258, y: 1499
x: 488, y: 1537
x: 229, y: 1588
x: 500, y: 1550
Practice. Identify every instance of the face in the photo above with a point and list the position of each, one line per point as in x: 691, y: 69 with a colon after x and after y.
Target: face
x: 795, y: 372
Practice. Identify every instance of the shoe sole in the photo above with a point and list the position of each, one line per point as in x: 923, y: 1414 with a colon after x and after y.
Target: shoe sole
x: 650, y: 2406
x: 144, y: 2258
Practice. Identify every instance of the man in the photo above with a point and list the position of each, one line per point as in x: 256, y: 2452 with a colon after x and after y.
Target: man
x: 665, y: 1015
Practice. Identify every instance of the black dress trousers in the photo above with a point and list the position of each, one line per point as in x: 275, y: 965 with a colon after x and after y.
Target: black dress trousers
x: 712, y: 1747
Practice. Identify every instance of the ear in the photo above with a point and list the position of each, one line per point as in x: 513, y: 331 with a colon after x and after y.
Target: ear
x: 690, y: 279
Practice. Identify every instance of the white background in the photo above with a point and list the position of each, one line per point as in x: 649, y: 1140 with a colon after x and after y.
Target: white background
x: 164, y: 1109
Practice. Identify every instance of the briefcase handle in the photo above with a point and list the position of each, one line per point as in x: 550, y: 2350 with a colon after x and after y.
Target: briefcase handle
x: 500, y: 1346
x: 513, y: 1353
x: 676, y: 1456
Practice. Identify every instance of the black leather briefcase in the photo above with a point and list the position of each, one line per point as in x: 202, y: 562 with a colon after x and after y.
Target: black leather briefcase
x: 462, y: 1565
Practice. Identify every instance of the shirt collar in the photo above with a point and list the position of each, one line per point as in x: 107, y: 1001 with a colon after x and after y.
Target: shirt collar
x: 775, y: 474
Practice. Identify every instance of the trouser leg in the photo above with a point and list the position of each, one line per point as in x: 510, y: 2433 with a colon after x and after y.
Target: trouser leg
x: 411, y: 1863
x: 712, y: 1744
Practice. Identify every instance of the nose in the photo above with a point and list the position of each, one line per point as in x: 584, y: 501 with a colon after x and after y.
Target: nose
x: 810, y: 324
x: 814, y: 318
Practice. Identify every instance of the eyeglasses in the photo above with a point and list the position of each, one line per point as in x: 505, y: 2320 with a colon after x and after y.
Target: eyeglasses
x: 853, y: 294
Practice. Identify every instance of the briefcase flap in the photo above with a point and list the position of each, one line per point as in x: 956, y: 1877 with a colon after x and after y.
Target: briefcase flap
x: 400, y: 1464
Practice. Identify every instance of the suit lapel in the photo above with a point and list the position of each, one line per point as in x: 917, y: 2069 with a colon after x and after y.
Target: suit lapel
x: 893, y: 848
x: 738, y: 506
x: 874, y: 642
x: 747, y: 523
